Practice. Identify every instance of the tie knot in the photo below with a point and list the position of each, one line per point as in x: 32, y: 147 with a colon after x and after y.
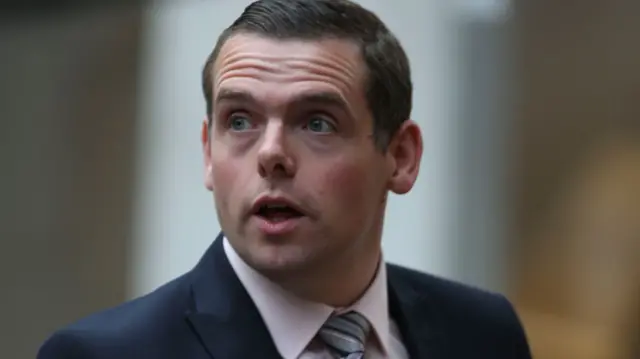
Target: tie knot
x: 346, y: 334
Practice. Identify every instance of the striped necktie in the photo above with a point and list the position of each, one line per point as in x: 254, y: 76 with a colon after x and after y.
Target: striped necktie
x: 345, y: 335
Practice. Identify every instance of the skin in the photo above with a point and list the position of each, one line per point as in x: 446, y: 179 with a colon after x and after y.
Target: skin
x: 291, y: 118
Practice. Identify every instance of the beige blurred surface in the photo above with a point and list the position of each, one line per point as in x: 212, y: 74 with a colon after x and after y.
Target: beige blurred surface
x: 578, y: 188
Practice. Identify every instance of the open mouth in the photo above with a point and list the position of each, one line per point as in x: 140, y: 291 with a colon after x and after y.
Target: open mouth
x: 277, y: 212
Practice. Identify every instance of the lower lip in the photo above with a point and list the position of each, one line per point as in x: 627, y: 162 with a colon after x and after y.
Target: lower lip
x: 277, y: 228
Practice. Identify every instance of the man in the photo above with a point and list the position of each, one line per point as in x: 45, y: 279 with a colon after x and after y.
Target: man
x: 307, y: 130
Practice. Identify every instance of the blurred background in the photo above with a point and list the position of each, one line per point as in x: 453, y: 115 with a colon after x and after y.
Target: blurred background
x: 530, y: 182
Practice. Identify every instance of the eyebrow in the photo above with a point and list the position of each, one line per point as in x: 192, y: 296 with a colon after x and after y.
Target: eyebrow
x: 326, y: 98
x: 233, y: 95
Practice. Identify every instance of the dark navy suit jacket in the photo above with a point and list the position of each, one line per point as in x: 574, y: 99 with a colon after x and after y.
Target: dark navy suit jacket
x: 207, y: 314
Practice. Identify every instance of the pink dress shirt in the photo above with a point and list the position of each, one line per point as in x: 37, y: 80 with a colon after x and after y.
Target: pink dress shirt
x: 293, y: 322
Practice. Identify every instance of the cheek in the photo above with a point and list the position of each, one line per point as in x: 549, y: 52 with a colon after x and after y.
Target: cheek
x: 222, y: 172
x: 224, y: 176
x: 352, y: 191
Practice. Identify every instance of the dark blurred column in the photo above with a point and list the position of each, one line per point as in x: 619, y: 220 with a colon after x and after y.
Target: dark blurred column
x: 67, y: 119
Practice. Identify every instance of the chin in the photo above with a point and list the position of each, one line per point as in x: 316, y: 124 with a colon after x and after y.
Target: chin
x: 277, y: 258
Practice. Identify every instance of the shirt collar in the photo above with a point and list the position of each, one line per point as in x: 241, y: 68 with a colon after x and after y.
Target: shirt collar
x: 294, y: 322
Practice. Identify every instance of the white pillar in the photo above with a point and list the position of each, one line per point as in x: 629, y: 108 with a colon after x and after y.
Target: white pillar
x: 175, y: 218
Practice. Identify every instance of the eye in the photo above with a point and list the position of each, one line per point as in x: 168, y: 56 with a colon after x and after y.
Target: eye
x: 239, y: 122
x: 319, y: 124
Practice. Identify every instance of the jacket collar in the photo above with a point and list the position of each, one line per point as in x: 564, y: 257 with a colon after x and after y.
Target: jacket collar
x: 223, y: 315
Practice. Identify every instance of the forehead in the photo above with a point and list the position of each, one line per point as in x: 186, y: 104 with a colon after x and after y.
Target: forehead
x: 279, y: 69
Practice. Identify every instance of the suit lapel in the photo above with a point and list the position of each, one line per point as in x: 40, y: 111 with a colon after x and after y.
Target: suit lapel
x: 419, y: 323
x: 223, y: 316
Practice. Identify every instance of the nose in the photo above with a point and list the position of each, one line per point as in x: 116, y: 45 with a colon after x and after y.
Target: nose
x: 274, y: 158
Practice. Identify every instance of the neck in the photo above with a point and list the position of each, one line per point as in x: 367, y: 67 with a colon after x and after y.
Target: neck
x: 339, y: 284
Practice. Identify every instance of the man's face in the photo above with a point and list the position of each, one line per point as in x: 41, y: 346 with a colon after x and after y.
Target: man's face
x: 290, y: 157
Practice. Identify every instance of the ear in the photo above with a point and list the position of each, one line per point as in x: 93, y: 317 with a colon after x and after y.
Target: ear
x: 404, y: 153
x: 206, y: 151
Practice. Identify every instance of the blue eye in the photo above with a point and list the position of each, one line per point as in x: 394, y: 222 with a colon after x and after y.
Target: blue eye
x: 239, y: 123
x: 319, y: 125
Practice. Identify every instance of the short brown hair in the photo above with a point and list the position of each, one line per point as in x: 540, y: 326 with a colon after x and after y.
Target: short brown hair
x: 388, y: 87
